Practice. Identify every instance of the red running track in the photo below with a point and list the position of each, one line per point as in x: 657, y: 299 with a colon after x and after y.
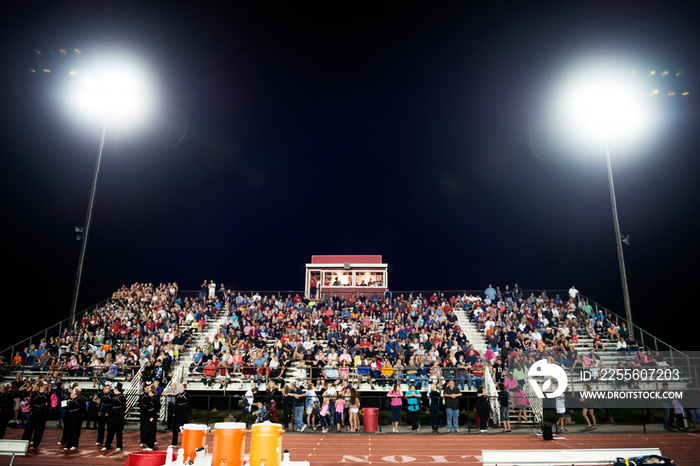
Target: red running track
x: 379, y: 449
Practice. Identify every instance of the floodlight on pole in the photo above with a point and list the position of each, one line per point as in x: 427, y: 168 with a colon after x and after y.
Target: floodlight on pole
x: 606, y: 107
x: 114, y: 94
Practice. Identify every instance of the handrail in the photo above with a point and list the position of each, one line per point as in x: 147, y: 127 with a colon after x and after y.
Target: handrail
x: 133, y: 391
x: 536, y: 404
x: 9, y: 352
x: 492, y: 393
x: 619, y: 318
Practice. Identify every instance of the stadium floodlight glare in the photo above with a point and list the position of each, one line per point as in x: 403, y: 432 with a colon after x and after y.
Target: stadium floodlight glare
x: 115, y: 94
x: 604, y: 107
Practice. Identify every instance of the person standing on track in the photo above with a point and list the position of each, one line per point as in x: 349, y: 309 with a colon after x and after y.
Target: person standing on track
x: 589, y: 408
x: 6, y: 406
x: 104, y: 405
x: 143, y: 413
x: 483, y: 409
x: 435, y: 400
x: 115, y: 418
x: 152, y: 419
x: 39, y: 403
x: 413, y: 406
x: 504, y: 403
x: 180, y: 412
x: 452, y: 394
x: 63, y: 405
x: 396, y: 403
x: 73, y: 419
x: 560, y: 406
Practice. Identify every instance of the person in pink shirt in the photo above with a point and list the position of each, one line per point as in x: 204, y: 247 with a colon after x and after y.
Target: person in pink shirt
x: 396, y: 396
x: 510, y: 382
x: 520, y: 398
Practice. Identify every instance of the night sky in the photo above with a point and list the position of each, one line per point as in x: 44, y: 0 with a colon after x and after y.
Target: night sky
x: 418, y: 131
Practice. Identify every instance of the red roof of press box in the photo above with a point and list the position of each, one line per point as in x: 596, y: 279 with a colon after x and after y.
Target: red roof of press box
x: 342, y: 259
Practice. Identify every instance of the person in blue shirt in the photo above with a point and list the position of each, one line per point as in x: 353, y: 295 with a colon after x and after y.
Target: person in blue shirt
x: 391, y: 344
x: 403, y: 334
x: 363, y: 373
x: 197, y: 360
x: 260, y: 412
x: 490, y: 293
x: 387, y: 296
x: 422, y: 374
x: 110, y: 375
x: 413, y: 406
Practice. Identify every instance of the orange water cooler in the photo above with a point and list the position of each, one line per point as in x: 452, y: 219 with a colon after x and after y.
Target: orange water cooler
x: 194, y: 436
x: 229, y: 444
x: 266, y: 444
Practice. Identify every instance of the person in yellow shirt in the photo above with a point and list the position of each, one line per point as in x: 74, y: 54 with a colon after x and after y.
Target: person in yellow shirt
x: 387, y: 369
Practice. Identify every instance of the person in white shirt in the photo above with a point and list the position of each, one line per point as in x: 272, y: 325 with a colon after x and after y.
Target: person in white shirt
x: 560, y: 406
x: 573, y: 293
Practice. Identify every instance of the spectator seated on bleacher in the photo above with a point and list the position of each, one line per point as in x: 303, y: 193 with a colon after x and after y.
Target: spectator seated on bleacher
x: 139, y: 324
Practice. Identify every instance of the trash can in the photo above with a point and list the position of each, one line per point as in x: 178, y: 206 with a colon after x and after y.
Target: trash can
x: 370, y: 419
x: 266, y: 444
x: 146, y: 458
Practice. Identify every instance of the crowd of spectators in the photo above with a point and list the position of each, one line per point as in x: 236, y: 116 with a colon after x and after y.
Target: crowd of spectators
x: 521, y: 330
x: 411, y: 339
x: 414, y: 340
x: 139, y: 326
x: 378, y: 341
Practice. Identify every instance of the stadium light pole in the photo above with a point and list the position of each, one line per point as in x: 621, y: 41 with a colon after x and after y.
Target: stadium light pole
x: 601, y: 107
x: 115, y: 94
x: 618, y: 237
x: 86, y: 227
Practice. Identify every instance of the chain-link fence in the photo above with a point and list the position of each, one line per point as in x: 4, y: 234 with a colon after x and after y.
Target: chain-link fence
x: 212, y: 408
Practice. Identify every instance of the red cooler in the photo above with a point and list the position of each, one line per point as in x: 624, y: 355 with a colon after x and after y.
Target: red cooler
x: 146, y: 458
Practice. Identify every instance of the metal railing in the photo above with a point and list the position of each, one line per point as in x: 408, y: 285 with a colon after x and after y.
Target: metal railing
x: 53, y: 331
x: 133, y: 391
x: 644, y: 338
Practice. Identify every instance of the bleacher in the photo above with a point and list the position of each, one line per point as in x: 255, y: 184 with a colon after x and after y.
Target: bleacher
x: 161, y: 310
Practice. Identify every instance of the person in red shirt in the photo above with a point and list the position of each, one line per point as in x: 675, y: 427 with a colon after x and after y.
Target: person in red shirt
x: 478, y: 370
x: 312, y: 285
x: 209, y: 372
